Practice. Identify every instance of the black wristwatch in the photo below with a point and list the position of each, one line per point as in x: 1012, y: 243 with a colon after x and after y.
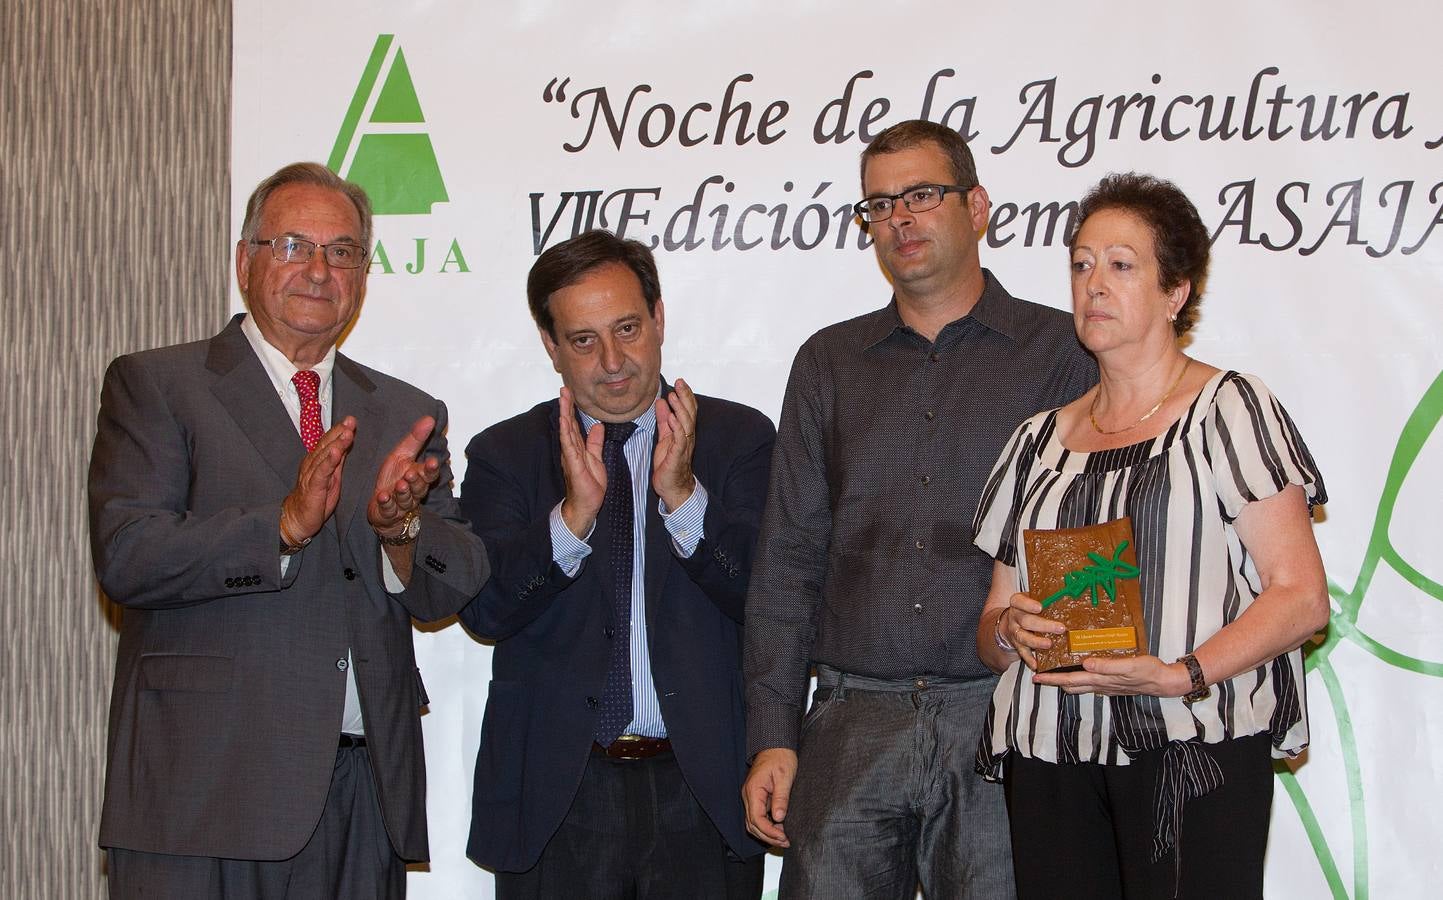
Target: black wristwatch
x: 1200, y: 689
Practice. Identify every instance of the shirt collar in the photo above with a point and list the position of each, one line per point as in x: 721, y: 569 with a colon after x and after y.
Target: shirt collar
x: 278, y: 367
x: 994, y: 310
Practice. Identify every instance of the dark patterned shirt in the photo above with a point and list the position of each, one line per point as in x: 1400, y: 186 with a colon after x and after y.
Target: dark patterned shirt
x: 866, y: 561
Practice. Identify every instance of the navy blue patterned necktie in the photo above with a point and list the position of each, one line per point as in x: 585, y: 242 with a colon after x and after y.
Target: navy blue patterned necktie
x: 617, y: 520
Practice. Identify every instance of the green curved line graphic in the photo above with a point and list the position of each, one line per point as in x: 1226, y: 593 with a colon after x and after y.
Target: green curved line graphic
x: 1394, y: 658
x: 1314, y: 831
x: 1353, y: 771
x: 1343, y: 626
x: 1416, y: 432
x: 1411, y: 575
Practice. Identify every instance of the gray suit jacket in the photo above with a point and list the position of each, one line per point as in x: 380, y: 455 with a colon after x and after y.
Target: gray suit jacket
x: 230, y: 680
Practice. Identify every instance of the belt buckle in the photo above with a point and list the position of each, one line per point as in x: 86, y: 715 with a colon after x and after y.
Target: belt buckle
x: 631, y: 747
x: 620, y: 750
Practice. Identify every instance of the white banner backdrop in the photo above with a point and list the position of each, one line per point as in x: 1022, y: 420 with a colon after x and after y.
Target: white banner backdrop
x: 1307, y: 134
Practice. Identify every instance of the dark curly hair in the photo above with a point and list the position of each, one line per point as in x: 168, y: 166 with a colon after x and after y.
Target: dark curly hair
x: 1180, y: 240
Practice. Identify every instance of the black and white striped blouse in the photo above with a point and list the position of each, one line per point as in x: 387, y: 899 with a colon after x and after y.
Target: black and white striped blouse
x: 1183, y: 490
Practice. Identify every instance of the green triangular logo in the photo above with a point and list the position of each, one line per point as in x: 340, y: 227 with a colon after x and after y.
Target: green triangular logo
x: 397, y: 167
x: 398, y: 101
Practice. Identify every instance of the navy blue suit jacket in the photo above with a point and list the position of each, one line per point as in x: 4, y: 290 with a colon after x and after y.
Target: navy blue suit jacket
x: 551, y: 631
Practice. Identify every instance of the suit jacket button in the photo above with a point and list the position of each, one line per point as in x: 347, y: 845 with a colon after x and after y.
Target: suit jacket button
x: 230, y: 582
x: 342, y: 664
x: 349, y: 573
x: 591, y: 702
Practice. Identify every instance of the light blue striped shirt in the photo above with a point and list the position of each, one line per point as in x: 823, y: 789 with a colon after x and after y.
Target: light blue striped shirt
x: 685, y: 524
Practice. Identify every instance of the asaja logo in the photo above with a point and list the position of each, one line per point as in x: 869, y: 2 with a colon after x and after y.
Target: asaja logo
x: 383, y: 146
x: 391, y: 154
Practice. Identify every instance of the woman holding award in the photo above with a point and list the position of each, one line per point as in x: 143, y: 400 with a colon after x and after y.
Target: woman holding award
x: 1147, y: 772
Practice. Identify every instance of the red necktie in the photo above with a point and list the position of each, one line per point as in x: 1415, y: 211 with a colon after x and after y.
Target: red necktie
x: 308, y: 387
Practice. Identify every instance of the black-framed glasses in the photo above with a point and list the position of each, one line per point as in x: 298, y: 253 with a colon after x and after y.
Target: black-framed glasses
x: 297, y: 250
x: 920, y: 198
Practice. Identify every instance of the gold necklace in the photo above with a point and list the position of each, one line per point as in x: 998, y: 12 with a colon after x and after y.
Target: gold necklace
x: 1092, y: 410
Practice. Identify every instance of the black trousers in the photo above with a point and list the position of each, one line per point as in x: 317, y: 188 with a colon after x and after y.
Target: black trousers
x: 635, y: 832
x: 1087, y: 831
x: 349, y: 855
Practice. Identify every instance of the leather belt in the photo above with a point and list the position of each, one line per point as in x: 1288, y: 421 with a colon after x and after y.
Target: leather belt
x: 351, y: 740
x: 635, y: 746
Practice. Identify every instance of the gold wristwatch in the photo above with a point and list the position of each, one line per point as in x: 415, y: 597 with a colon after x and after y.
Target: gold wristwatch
x: 410, y: 530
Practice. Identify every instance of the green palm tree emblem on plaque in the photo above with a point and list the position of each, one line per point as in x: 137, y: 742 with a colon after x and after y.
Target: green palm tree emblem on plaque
x: 1101, y: 574
x: 390, y: 154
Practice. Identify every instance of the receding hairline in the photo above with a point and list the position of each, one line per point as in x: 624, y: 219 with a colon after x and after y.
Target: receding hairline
x: 336, y: 193
x: 312, y: 173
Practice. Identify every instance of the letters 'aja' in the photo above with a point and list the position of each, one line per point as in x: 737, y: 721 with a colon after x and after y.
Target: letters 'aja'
x: 381, y: 264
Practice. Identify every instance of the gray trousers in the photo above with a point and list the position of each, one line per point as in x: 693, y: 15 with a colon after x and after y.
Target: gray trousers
x: 886, y: 797
x: 348, y: 856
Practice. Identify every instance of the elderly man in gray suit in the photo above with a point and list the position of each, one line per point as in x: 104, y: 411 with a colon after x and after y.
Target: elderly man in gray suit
x: 271, y: 515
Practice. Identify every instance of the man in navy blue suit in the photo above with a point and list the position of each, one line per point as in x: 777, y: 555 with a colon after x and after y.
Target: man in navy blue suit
x: 621, y: 520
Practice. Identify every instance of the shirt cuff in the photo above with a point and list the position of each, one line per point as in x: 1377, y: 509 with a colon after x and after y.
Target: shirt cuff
x: 686, y: 522
x: 771, y: 724
x: 393, y: 582
x: 567, y: 550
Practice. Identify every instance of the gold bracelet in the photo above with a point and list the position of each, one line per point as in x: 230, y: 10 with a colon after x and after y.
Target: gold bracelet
x: 289, y: 544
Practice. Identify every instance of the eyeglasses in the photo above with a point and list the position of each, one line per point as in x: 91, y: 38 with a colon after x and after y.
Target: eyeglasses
x: 295, y: 250
x: 918, y: 199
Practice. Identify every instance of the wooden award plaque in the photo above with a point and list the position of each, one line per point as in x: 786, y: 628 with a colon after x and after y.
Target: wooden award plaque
x: 1087, y: 579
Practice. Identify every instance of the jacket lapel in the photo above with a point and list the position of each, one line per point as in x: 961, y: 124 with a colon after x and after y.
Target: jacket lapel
x: 658, y: 558
x: 247, y: 395
x: 553, y: 447
x: 658, y: 540
x: 354, y: 394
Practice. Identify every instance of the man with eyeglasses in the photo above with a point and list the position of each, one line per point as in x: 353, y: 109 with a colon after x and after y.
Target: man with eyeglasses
x: 271, y: 515
x: 865, y: 565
